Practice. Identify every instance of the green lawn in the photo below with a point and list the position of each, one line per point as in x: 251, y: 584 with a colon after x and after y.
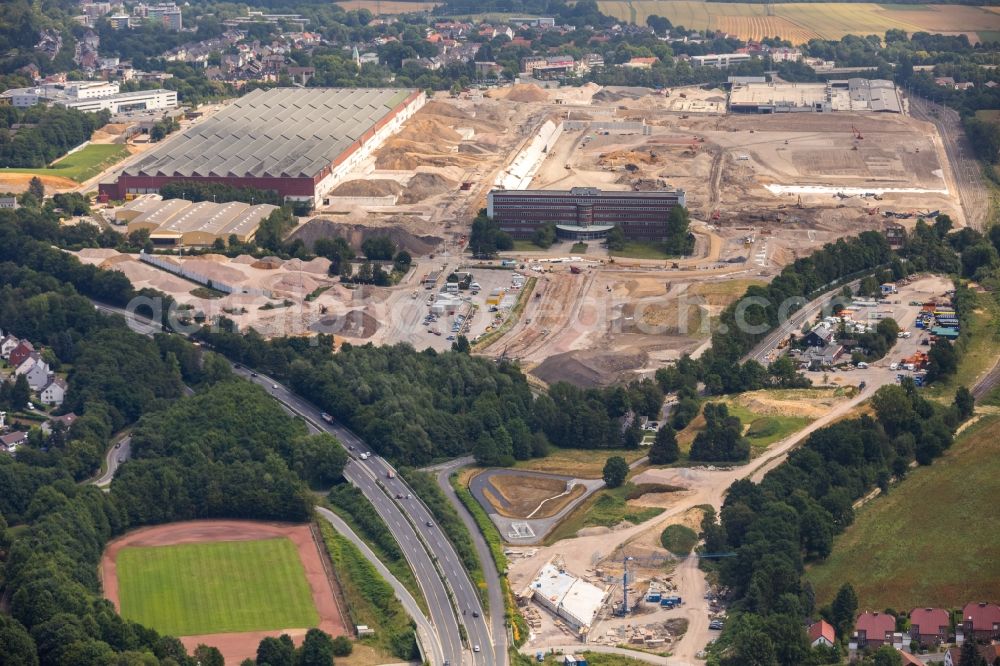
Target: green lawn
x: 607, y: 508
x: 223, y: 586
x: 763, y: 430
x: 639, y: 250
x: 82, y: 164
x: 929, y: 541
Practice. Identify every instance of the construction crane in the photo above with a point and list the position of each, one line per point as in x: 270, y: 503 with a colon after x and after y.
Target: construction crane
x: 857, y: 133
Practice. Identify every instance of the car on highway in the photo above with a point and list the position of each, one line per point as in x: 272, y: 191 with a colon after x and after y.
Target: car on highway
x: 253, y: 374
x: 475, y: 613
x: 475, y: 648
x: 430, y: 524
x: 121, y: 459
x: 118, y: 445
x: 274, y: 387
x: 399, y: 495
x: 364, y: 456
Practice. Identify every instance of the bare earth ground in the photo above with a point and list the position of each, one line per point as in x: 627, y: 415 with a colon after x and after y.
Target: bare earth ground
x: 235, y: 646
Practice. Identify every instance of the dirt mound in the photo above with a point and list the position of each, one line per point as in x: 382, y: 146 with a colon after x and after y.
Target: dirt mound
x: 353, y: 324
x: 424, y: 185
x: 526, y: 92
x: 319, y: 265
x: 266, y: 264
x: 378, y: 187
x: 623, y: 157
x: 244, y: 259
x: 355, y: 234
x: 437, y: 108
x: 589, y: 368
x: 16, y: 183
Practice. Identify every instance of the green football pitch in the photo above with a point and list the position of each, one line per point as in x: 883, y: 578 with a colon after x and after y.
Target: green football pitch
x: 215, y: 587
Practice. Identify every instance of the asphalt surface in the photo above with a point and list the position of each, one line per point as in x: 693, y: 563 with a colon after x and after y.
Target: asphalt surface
x: 432, y: 557
x: 122, y: 451
x: 490, y: 574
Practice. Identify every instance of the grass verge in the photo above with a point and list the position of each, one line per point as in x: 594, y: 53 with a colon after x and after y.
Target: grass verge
x: 216, y: 587
x: 920, y: 545
x: 427, y: 489
x: 639, y: 250
x: 515, y: 314
x: 81, y: 165
x: 519, y: 627
x: 606, y: 508
x: 370, y: 599
x: 350, y: 504
x: 207, y: 292
x: 317, y: 292
x: 579, y: 463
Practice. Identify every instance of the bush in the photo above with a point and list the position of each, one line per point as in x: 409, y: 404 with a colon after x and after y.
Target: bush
x: 679, y: 539
x: 342, y: 646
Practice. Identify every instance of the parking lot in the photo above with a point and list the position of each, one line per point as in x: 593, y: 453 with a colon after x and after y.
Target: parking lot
x: 428, y: 315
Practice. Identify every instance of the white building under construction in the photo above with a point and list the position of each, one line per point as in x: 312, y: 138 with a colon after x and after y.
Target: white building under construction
x: 569, y: 598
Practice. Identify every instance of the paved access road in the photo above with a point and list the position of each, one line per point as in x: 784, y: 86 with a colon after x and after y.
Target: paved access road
x: 116, y: 455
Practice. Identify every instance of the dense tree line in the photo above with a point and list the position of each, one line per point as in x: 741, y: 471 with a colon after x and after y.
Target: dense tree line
x: 45, y: 133
x: 791, y: 517
x: 722, y: 439
x: 194, y: 190
x: 228, y: 451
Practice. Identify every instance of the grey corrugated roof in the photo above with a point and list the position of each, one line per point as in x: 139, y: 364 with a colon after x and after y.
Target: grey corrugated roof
x: 291, y: 132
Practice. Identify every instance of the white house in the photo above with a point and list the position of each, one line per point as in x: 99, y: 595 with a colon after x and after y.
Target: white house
x: 10, y: 442
x: 54, y: 392
x: 35, y: 370
x: 7, y: 344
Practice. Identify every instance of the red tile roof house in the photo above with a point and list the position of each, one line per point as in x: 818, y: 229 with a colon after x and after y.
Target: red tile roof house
x: 929, y: 626
x: 981, y: 620
x: 822, y: 633
x: 991, y: 653
x: 19, y: 353
x: 908, y: 659
x: 872, y: 630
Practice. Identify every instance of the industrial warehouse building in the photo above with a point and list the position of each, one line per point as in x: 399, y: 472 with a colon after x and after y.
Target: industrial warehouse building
x: 574, y: 600
x: 875, y: 95
x: 300, y: 142
x: 178, y: 222
x: 584, y: 213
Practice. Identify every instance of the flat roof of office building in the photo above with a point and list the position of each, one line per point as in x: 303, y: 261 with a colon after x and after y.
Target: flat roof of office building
x: 281, y: 132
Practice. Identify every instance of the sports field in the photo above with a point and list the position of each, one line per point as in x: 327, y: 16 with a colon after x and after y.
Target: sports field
x: 800, y: 22
x: 81, y: 165
x: 215, y: 587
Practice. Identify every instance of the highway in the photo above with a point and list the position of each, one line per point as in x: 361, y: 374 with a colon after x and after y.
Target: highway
x: 432, y: 557
x: 421, y: 540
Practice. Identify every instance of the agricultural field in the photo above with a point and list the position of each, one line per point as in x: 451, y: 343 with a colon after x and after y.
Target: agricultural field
x: 215, y: 587
x: 801, y: 22
x: 81, y: 165
x: 386, y: 7
x: 916, y: 546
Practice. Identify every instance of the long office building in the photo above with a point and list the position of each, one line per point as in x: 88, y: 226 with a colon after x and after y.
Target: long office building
x: 90, y: 96
x: 300, y: 142
x: 584, y: 213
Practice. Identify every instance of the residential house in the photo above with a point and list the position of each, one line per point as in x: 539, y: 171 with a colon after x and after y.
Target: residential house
x: 991, y: 653
x: 929, y: 626
x: 872, y: 630
x: 35, y: 370
x: 981, y: 620
x: 785, y: 54
x: 945, y: 81
x: 18, y: 354
x: 821, y: 335
x: 908, y: 659
x: 54, y: 392
x: 66, y: 421
x: 7, y: 345
x: 10, y: 442
x: 822, y: 633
